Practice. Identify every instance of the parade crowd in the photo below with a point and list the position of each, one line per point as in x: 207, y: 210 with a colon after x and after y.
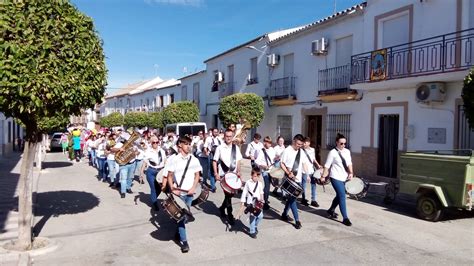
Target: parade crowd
x: 187, y: 168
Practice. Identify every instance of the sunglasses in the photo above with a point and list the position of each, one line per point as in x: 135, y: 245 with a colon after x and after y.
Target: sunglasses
x: 343, y: 143
x: 155, y: 142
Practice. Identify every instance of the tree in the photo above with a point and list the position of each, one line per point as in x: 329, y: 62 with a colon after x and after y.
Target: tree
x: 468, y: 97
x: 52, y: 64
x: 241, y: 106
x: 155, y: 120
x: 55, y: 123
x: 180, y: 112
x: 136, y: 119
x: 112, y: 120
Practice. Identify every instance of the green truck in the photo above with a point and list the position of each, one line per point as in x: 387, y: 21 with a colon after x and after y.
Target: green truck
x: 439, y: 179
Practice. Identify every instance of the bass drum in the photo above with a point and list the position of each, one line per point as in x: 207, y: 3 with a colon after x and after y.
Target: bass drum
x: 276, y: 176
x: 176, y: 208
x: 356, y: 187
x: 200, y: 195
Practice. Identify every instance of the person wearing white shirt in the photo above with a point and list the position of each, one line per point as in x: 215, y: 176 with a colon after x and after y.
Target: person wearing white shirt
x: 183, y: 177
x: 279, y: 148
x: 225, y: 161
x: 100, y: 143
x: 154, y: 159
x: 311, y: 156
x: 210, y: 146
x: 126, y: 171
x: 294, y: 163
x: 339, y: 161
x: 253, y: 148
x: 252, y: 192
x: 112, y: 165
x: 202, y: 156
x: 265, y: 160
x: 91, y: 150
x: 139, y: 159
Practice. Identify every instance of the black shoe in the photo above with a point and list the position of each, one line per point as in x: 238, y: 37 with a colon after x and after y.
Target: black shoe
x: 185, y: 247
x: 266, y: 206
x: 286, y: 218
x: 111, y: 184
x: 331, y: 214
x: 176, y: 237
x: 231, y: 219
x: 122, y: 195
x: 347, y: 222
x: 129, y: 191
x: 314, y: 204
x: 213, y: 190
x: 304, y: 202
x: 117, y: 185
x: 298, y: 225
x: 222, y: 211
x: 156, y: 206
x: 254, y: 235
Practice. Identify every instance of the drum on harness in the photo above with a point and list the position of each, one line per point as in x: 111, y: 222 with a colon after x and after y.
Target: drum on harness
x: 231, y: 183
x: 356, y: 187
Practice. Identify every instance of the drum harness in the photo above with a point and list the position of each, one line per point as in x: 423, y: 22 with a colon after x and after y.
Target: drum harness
x: 184, y: 173
x: 160, y: 159
x: 250, y: 207
x: 267, y: 158
x: 232, y: 161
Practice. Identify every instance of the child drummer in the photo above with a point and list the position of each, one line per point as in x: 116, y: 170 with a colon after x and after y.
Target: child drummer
x: 252, y: 199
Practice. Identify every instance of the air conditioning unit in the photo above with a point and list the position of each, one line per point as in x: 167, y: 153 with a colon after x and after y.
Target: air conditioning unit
x: 273, y: 60
x: 431, y: 92
x: 218, y: 77
x: 319, y: 47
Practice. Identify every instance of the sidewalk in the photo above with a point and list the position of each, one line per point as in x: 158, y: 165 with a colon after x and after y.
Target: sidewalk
x: 10, y: 174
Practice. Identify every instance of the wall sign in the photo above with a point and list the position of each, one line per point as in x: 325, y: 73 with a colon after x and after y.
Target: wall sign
x: 378, y: 65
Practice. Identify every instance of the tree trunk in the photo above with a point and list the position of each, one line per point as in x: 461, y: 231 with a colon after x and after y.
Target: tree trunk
x: 25, y: 213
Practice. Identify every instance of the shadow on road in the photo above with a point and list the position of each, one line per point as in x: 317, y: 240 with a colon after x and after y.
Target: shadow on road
x: 47, y: 165
x: 55, y: 203
x: 8, y: 184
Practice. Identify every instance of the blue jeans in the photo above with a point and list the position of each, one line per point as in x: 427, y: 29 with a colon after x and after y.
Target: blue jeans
x: 113, y: 170
x: 204, y: 161
x: 92, y: 157
x: 340, y: 198
x: 212, y: 178
x: 126, y: 176
x: 188, y: 199
x: 138, y: 166
x: 304, y: 179
x: 150, y: 178
x: 254, y: 221
x: 291, y: 204
x: 101, y: 168
x: 266, y: 188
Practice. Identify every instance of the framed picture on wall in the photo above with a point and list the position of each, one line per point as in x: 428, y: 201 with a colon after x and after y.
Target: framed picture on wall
x: 378, y: 65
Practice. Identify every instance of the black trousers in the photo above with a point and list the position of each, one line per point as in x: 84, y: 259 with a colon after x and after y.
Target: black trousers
x: 227, y: 203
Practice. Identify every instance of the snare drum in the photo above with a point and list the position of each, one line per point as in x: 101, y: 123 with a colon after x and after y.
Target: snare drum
x: 231, y: 183
x: 276, y: 176
x: 356, y: 187
x: 257, y: 207
x: 291, y: 187
x: 176, y: 208
x: 200, y: 195
x: 317, y: 175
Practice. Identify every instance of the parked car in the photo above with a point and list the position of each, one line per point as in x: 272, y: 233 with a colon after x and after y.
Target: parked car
x: 439, y: 180
x: 55, y: 143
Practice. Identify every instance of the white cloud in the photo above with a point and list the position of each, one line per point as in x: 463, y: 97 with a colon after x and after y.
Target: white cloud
x: 193, y: 3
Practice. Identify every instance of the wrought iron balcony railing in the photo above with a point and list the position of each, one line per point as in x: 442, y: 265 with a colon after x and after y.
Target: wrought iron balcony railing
x: 226, y: 89
x: 440, y: 54
x: 283, y: 88
x: 334, y: 80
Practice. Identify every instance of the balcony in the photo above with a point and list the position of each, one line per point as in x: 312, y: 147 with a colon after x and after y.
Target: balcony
x: 226, y: 89
x: 251, y: 81
x: 334, y: 84
x: 437, y: 55
x: 282, y: 91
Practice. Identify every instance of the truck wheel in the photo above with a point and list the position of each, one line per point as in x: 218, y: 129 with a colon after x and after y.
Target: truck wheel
x: 429, y: 208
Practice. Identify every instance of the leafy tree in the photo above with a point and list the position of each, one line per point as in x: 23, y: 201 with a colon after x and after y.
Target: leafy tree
x: 180, y: 112
x: 155, y: 120
x: 55, y: 123
x: 468, y: 97
x: 136, y: 119
x: 112, y: 120
x: 52, y: 64
x: 241, y: 106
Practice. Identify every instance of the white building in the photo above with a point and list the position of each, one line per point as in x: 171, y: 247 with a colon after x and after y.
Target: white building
x: 10, y: 132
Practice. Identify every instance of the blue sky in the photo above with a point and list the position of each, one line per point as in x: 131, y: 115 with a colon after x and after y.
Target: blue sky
x: 143, y: 38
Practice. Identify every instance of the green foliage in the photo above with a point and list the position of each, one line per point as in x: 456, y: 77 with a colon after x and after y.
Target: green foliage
x: 468, y: 97
x: 55, y: 123
x: 241, y: 106
x: 180, y: 112
x: 155, y: 120
x: 112, y: 120
x: 52, y: 61
x: 136, y: 119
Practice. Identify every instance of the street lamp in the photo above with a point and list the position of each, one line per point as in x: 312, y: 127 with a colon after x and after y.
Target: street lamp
x: 256, y: 49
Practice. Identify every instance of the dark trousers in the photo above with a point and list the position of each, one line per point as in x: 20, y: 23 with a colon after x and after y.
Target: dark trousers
x: 227, y: 203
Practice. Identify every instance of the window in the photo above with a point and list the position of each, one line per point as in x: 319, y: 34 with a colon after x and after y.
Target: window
x: 184, y: 93
x: 343, y: 51
x: 283, y: 127
x: 196, y: 93
x: 147, y: 103
x: 215, y: 121
x: 253, y: 77
x: 162, y: 101
x: 338, y: 124
x: 288, y: 65
x: 171, y: 98
x: 215, y: 84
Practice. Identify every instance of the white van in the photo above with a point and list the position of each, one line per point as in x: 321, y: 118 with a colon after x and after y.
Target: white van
x: 181, y: 129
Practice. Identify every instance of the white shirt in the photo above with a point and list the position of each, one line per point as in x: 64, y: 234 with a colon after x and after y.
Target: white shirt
x: 312, y: 156
x: 100, y: 148
x: 178, y: 166
x: 111, y: 155
x: 253, y: 149
x: 141, y: 154
x: 261, y: 158
x: 212, y: 142
x: 168, y: 162
x: 279, y: 150
x: 200, y: 149
x: 157, y: 156
x: 288, y: 158
x: 248, y: 193
x: 90, y: 144
x: 224, y: 153
x: 334, y: 162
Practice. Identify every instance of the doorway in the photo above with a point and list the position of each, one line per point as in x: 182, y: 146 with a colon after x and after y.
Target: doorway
x: 314, y: 127
x: 387, y: 158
